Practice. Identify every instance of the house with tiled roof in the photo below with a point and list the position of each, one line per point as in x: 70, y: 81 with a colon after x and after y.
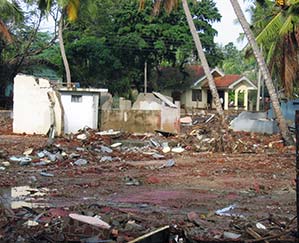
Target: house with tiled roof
x: 198, y: 94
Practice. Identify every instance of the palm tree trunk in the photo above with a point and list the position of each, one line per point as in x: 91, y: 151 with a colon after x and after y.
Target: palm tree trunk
x: 4, y: 31
x: 265, y: 72
x: 62, y: 51
x: 203, y: 60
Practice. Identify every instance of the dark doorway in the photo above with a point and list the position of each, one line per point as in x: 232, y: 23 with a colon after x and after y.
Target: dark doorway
x: 210, y: 98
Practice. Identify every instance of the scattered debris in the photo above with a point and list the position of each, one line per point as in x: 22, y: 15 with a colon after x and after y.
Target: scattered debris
x: 186, y: 120
x: 28, y: 151
x: 121, y: 177
x: 177, y: 150
x: 82, y: 136
x: 115, y: 145
x: 225, y: 211
x: 95, y: 221
x: 165, y: 148
x: 230, y: 235
x: 80, y: 162
x: 169, y: 163
x: 129, y: 181
x: 46, y: 174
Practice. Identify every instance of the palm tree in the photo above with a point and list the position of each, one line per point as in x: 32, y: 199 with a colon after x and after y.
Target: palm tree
x: 280, y: 37
x: 265, y: 72
x: 203, y: 59
x: 169, y: 5
x: 70, y: 8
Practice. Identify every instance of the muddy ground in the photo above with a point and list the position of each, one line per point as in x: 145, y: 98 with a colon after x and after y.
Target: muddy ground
x: 136, y: 192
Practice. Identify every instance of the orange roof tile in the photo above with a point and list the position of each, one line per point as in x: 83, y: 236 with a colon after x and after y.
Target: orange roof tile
x: 225, y: 81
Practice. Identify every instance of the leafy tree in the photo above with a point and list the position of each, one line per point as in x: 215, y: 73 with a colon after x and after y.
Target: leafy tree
x: 235, y: 62
x: 25, y: 42
x: 119, y: 38
x: 279, y: 37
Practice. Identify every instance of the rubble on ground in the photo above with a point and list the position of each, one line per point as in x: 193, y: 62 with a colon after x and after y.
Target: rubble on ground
x: 208, y: 183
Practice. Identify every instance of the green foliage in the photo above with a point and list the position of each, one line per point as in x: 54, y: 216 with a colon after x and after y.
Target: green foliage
x: 235, y: 62
x: 110, y: 47
x: 276, y: 30
x: 110, y: 42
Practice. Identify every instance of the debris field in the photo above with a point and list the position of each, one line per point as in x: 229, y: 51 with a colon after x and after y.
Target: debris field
x: 206, y: 184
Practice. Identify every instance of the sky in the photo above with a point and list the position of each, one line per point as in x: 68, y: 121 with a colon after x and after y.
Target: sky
x: 228, y: 29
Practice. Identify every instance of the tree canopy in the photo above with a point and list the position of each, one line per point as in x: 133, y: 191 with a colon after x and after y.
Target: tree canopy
x: 108, y: 46
x: 111, y: 47
x: 275, y: 24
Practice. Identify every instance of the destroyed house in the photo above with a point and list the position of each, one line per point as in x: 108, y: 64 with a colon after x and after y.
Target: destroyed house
x: 43, y: 107
x: 150, y: 112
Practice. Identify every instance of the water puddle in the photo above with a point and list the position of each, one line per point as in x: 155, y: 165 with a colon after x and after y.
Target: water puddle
x: 24, y: 196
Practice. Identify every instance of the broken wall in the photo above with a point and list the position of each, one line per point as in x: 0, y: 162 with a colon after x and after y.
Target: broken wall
x: 170, y: 119
x: 147, y: 102
x: 150, y: 112
x: 33, y: 111
x: 131, y: 120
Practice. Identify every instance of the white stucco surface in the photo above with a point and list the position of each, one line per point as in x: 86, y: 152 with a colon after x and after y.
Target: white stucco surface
x: 32, y: 107
x: 78, y: 115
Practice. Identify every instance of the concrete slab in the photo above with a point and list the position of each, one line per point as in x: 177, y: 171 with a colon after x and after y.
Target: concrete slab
x: 254, y: 122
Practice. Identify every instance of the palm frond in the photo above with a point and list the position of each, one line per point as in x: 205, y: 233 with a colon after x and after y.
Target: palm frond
x: 271, y: 30
x: 271, y: 52
x: 12, y: 9
x: 72, y: 9
x: 287, y: 26
x: 293, y: 2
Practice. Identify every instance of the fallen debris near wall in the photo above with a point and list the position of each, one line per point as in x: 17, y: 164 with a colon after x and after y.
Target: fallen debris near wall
x: 206, y: 184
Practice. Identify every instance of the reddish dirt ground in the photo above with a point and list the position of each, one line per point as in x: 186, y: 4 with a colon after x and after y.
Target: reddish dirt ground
x: 259, y: 183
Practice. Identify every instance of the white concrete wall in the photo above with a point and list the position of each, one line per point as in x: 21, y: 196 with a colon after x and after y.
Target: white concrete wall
x: 32, y: 107
x: 77, y: 115
x: 170, y: 119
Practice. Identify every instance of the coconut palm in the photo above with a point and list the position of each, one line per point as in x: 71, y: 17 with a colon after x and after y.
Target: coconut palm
x: 171, y: 4
x: 280, y: 38
x: 69, y: 8
x: 265, y: 72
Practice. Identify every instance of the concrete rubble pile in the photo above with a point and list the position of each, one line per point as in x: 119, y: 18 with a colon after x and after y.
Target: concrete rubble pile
x: 91, y: 146
x: 113, y: 186
x: 104, y: 223
x: 206, y: 134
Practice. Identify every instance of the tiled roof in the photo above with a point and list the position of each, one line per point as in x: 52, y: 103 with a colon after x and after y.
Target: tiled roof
x: 225, y: 81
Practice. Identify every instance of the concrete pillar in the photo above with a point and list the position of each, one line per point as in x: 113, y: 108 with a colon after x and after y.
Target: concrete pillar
x: 245, y: 99
x: 236, y: 99
x: 226, y: 100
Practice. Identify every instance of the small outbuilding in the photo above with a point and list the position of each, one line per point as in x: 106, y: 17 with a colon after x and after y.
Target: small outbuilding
x: 80, y: 106
x: 41, y: 106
